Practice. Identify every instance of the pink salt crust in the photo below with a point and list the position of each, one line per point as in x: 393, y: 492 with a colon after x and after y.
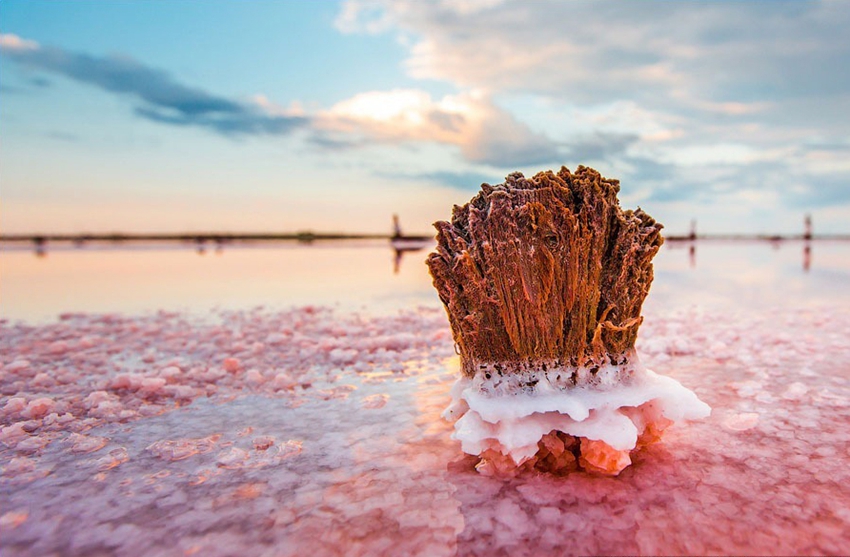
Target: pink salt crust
x: 314, y: 432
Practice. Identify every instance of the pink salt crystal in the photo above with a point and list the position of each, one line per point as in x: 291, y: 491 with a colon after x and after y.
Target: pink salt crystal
x: 38, y: 408
x: 115, y: 458
x: 232, y: 365
x: 599, y: 456
x: 106, y: 409
x: 17, y: 365
x: 65, y: 418
x: 741, y: 422
x: 82, y: 444
x: 95, y: 398
x: 342, y: 356
x: 179, y: 449
x: 152, y: 385
x: 42, y: 380
x: 58, y: 347
x: 180, y: 391
x: 275, y: 338
x: 50, y: 419
x: 120, y: 381
x: 12, y: 434
x: 19, y: 465
x: 263, y: 443
x: 231, y: 458
x: 283, y: 381
x: 88, y: 341
x: 13, y: 519
x: 148, y: 410
x: 14, y: 406
x: 375, y: 401
x: 290, y: 448
x: 254, y: 376
x: 32, y: 444
x: 795, y: 391
x: 170, y: 372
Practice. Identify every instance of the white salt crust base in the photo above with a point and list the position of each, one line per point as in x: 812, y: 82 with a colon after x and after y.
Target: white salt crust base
x: 511, y: 416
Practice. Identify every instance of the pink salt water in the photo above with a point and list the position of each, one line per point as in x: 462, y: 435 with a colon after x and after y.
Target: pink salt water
x: 299, y: 429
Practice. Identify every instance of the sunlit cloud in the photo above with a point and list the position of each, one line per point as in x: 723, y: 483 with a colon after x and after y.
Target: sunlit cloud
x: 482, y: 131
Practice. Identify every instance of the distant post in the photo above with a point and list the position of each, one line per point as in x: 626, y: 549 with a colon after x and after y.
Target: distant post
x: 396, y: 227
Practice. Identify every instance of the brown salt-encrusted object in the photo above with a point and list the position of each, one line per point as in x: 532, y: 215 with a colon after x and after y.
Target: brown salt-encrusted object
x: 546, y: 271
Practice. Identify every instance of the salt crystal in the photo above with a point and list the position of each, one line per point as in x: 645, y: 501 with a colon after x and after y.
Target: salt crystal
x: 254, y: 376
x: 42, y: 380
x: 263, y: 443
x: 58, y: 347
x: 96, y: 398
x: 82, y: 444
x: 375, y: 401
x: 38, y: 408
x: 115, y: 458
x: 14, y: 406
x: 795, y: 391
x: 17, y: 365
x: 152, y: 385
x: 741, y: 422
x: 12, y: 434
x: 32, y: 444
x: 231, y: 458
x: 179, y: 449
x: 170, y: 372
x: 12, y: 519
x: 232, y: 365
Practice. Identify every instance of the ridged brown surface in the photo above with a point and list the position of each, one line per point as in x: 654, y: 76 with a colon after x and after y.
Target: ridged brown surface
x: 547, y: 269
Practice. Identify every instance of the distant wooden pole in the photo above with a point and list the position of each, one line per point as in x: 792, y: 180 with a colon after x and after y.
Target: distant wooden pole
x: 396, y: 227
x: 546, y: 271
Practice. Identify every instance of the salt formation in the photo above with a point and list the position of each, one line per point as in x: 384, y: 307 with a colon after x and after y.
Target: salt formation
x: 543, y: 281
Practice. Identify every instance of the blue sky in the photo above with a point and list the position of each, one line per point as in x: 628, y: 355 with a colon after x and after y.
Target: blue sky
x: 228, y: 115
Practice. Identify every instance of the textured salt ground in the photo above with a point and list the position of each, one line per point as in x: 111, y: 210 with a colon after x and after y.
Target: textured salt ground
x: 310, y: 431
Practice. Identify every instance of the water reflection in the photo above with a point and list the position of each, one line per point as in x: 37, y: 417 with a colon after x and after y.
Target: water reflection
x: 807, y: 256
x: 775, y: 244
x: 40, y: 246
x: 400, y: 251
x: 137, y: 276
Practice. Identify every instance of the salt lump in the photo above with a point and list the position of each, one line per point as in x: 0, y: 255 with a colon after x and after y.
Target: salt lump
x: 611, y: 420
x: 543, y: 280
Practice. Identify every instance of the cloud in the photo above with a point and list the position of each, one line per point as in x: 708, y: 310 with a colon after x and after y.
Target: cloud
x: 483, y: 132
x: 700, y: 101
x: 601, y: 146
x: 711, y: 53
x: 161, y: 98
x: 469, y: 181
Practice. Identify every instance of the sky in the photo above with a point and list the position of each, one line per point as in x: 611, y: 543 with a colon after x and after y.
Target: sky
x: 279, y: 116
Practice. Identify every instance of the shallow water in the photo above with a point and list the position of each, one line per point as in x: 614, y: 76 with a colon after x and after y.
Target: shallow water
x: 292, y: 430
x: 357, y: 275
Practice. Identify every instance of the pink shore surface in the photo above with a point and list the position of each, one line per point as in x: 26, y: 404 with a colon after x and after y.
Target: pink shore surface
x: 312, y: 431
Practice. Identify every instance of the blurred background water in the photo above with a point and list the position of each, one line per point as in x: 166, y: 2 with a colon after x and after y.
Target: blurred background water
x: 371, y: 275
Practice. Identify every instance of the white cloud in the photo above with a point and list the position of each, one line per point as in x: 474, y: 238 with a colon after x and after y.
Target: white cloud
x: 482, y: 131
x: 10, y: 42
